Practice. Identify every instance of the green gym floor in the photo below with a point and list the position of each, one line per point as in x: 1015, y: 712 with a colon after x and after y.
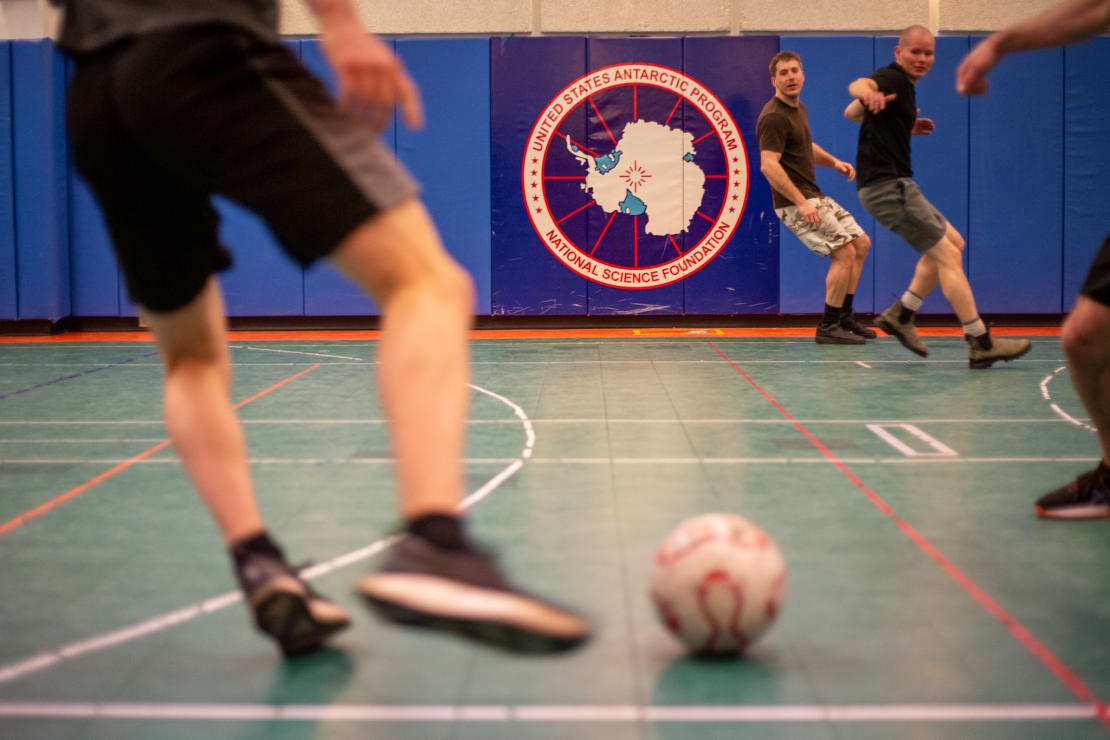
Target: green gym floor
x: 924, y: 598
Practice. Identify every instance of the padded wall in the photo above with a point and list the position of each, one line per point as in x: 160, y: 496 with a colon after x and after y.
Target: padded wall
x: 7, y: 189
x: 449, y: 156
x: 1016, y: 196
x: 41, y: 180
x: 1086, y: 160
x: 830, y: 65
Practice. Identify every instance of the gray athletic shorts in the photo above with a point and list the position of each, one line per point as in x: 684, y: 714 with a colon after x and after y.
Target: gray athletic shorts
x: 837, y: 226
x: 898, y: 205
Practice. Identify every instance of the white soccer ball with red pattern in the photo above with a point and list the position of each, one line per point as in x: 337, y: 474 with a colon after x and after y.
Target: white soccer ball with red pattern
x: 718, y: 583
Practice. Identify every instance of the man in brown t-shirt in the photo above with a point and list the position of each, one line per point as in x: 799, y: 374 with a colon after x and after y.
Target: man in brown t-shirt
x: 787, y: 158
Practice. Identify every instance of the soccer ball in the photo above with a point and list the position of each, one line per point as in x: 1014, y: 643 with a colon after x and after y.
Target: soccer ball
x: 718, y: 583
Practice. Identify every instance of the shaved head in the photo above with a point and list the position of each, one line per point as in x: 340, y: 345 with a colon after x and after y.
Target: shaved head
x: 910, y: 32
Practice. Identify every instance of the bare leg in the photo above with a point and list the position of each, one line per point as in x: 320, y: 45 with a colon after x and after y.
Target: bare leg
x: 428, y: 299
x: 950, y: 271
x: 925, y: 275
x: 839, y: 277
x: 862, y: 245
x: 1086, y: 340
x: 202, y: 424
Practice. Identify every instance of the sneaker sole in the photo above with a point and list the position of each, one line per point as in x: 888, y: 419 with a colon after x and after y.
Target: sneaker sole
x: 889, y: 329
x: 491, y: 628
x: 285, y: 616
x: 1074, y: 512
x: 839, y: 340
x: 985, y: 362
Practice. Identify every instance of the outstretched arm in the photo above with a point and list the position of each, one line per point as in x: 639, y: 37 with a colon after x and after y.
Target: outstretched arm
x: 823, y: 158
x: 371, y: 77
x: 867, y: 91
x: 855, y: 111
x: 1064, y: 24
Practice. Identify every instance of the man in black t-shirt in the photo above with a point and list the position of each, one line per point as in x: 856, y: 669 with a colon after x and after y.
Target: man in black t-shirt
x: 886, y: 106
x: 1086, y: 333
x: 787, y: 156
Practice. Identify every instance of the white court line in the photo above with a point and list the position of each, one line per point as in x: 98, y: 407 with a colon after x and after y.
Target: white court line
x: 45, y: 659
x: 780, y: 420
x: 551, y: 713
x: 295, y: 352
x: 1059, y: 411
x: 921, y: 459
x: 938, y: 447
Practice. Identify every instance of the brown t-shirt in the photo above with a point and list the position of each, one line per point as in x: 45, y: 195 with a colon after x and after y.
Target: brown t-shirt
x: 784, y: 129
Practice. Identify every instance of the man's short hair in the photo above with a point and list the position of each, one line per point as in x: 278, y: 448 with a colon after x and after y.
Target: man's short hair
x: 903, y: 38
x: 781, y: 57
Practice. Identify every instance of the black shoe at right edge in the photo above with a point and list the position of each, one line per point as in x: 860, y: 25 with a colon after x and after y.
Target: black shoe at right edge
x: 464, y: 591
x: 1086, y: 497
x: 852, y: 324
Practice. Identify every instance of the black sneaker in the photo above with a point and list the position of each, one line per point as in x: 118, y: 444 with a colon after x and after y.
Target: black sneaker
x: 849, y: 322
x: 464, y: 591
x: 836, y: 334
x: 1086, y: 497
x: 285, y: 607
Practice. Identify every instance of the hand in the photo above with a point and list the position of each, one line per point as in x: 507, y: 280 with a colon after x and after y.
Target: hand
x: 845, y: 169
x: 371, y: 78
x: 809, y: 213
x: 875, y: 101
x: 971, y: 76
x: 922, y: 126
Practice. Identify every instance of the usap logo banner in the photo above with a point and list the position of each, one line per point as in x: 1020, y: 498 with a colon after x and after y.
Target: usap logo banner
x: 632, y: 177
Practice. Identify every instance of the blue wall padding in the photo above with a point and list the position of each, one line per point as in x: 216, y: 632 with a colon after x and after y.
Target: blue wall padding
x: 1016, y: 196
x: 326, y: 291
x: 1086, y: 160
x: 38, y: 142
x: 830, y: 64
x: 450, y: 155
x: 7, y: 189
x: 620, y: 245
x: 96, y: 277
x: 744, y: 277
x: 525, y: 74
x: 263, y: 280
x: 940, y: 168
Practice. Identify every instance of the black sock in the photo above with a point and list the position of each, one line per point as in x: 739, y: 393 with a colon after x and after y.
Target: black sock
x: 1104, y: 470
x: 442, y: 530
x: 832, y: 315
x: 846, y: 309
x: 260, y: 544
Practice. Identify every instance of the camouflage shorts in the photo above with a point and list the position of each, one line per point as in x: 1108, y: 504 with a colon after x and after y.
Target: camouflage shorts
x: 837, y: 226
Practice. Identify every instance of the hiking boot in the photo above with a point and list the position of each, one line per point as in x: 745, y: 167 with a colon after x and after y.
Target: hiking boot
x: 849, y: 322
x: 1086, y: 497
x: 463, y: 591
x: 285, y: 607
x: 985, y: 350
x: 836, y: 334
x: 906, y: 333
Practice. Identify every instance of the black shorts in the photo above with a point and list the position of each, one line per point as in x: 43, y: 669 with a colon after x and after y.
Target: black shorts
x: 161, y: 122
x: 1097, y: 284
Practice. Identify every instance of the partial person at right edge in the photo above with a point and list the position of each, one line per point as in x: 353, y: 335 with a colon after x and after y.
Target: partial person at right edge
x: 1086, y: 332
x: 886, y: 107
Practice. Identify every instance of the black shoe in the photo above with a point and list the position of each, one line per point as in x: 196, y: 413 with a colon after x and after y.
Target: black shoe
x: 464, y: 591
x: 1086, y: 497
x: 285, y: 607
x: 836, y: 334
x: 849, y: 322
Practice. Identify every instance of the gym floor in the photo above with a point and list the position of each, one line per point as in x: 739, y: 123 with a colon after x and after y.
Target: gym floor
x: 924, y: 599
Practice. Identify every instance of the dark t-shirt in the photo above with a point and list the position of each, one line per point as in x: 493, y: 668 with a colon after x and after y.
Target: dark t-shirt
x: 884, y: 139
x: 88, y: 25
x: 785, y: 129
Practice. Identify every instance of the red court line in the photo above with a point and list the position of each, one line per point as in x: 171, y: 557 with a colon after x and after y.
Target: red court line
x: 1020, y: 633
x: 77, y: 491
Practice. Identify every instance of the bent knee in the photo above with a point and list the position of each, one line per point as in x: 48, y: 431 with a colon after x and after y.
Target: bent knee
x: 1086, y: 336
x: 862, y: 244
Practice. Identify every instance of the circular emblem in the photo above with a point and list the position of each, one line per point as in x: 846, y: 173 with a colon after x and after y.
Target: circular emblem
x: 635, y: 176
